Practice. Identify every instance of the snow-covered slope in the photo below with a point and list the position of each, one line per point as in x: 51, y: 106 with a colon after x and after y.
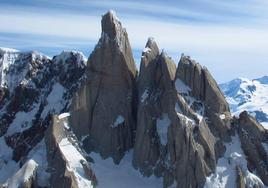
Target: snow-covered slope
x: 251, y: 95
x: 32, y: 88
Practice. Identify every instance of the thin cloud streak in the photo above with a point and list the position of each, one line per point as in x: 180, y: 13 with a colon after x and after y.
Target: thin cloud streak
x: 51, y: 24
x: 170, y: 35
x: 191, y: 11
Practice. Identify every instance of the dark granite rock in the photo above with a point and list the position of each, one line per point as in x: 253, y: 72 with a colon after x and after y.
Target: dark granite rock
x: 104, y: 107
x: 252, y: 135
x: 170, y: 136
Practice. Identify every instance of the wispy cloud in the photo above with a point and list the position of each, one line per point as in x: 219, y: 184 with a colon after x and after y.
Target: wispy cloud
x: 223, y: 35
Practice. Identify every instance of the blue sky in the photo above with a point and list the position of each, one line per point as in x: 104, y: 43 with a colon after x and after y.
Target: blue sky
x: 229, y: 37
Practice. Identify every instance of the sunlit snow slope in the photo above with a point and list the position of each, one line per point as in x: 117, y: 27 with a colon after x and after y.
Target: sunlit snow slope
x: 251, y: 95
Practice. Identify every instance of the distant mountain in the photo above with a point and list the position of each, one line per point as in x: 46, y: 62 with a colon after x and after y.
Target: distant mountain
x: 251, y: 95
x: 33, y: 87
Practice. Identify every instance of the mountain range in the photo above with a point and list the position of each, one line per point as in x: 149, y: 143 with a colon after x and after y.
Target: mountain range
x: 71, y: 121
x: 250, y: 95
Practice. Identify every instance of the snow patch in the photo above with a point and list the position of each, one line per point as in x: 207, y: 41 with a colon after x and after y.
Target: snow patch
x: 200, y: 113
x: 265, y: 125
x: 22, y: 121
x: 119, y: 120
x: 265, y: 146
x: 64, y: 120
x: 64, y: 115
x: 83, y: 138
x: 7, y: 169
x: 121, y: 175
x: 145, y: 95
x: 147, y: 50
x: 38, y: 154
x: 7, y: 166
x: 222, y: 116
x: 162, y: 125
x: 225, y: 172
x: 182, y: 116
x: 55, y: 100
x: 181, y: 87
x: 23, y: 175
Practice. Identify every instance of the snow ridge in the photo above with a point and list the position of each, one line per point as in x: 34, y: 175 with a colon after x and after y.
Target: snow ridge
x: 74, y: 158
x: 251, y: 95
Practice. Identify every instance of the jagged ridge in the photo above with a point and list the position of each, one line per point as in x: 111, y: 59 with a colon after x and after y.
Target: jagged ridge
x: 176, y: 119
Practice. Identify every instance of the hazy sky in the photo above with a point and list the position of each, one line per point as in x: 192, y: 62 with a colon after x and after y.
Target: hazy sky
x: 229, y: 37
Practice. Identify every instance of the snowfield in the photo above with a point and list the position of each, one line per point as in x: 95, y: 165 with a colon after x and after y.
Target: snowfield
x: 122, y: 175
x: 225, y: 173
x: 162, y: 125
x: 250, y: 95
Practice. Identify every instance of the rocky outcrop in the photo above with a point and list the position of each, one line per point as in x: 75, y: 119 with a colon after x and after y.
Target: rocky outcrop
x: 171, y: 136
x: 203, y: 87
x: 202, y: 84
x: 67, y: 166
x: 104, y: 109
x: 25, y: 177
x: 253, y: 137
x: 240, y: 183
x: 156, y: 99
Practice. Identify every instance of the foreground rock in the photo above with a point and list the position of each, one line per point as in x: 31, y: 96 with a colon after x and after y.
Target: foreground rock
x: 104, y: 109
x: 68, y: 167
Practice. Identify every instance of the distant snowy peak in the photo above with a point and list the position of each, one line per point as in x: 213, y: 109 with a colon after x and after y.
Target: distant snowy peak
x: 20, y: 67
x: 263, y: 80
x: 15, y: 65
x: 33, y: 87
x: 72, y: 55
x: 7, y: 50
x: 113, y: 31
x: 251, y: 95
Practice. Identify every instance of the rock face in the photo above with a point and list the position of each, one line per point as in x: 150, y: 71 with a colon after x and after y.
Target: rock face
x: 253, y: 139
x: 171, y: 136
x: 203, y: 87
x: 202, y: 84
x: 156, y: 99
x: 67, y: 165
x: 105, y: 105
x: 240, y: 183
